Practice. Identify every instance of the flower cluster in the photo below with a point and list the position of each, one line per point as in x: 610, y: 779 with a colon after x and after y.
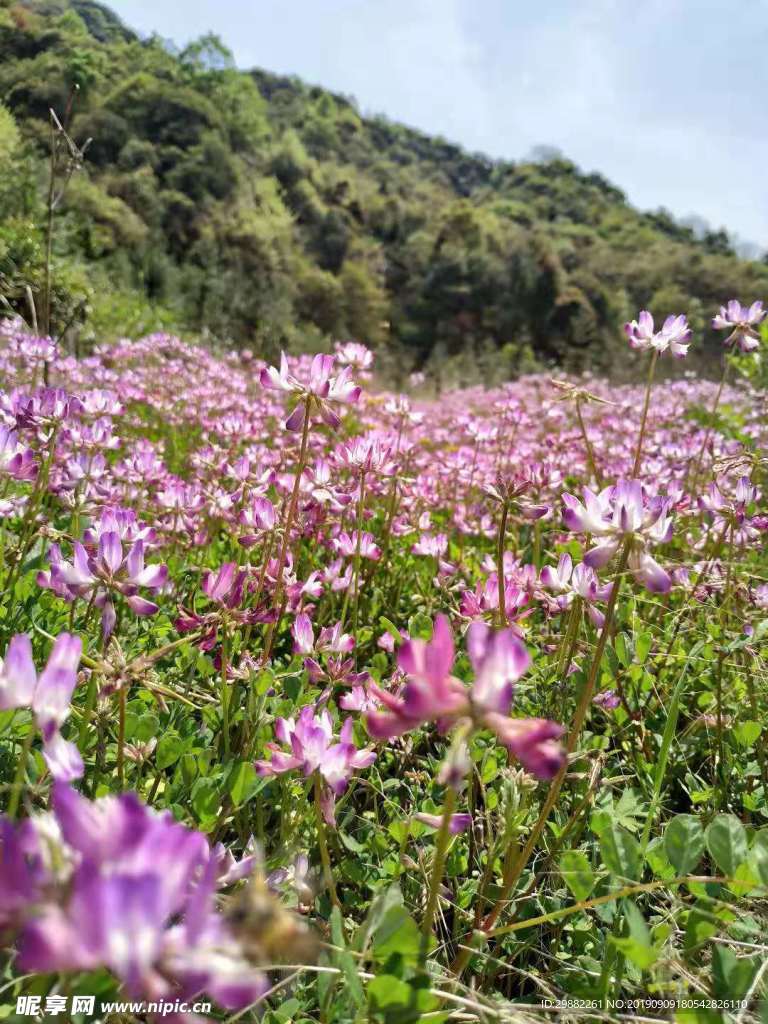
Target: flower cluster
x: 111, y: 883
x: 618, y: 515
x: 433, y: 694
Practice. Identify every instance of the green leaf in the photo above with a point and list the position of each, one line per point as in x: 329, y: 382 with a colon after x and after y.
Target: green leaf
x: 391, y: 628
x: 400, y: 1002
x: 382, y: 903
x: 758, y: 855
x: 699, y: 928
x: 621, y: 852
x: 342, y: 956
x: 387, y: 991
x: 684, y: 842
x: 147, y: 726
x: 577, y: 874
x: 170, y: 747
x: 623, y: 648
x: 397, y: 934
x: 731, y: 975
x: 243, y: 783
x: 727, y: 843
x: 205, y: 800
x: 643, y: 644
x: 637, y: 946
x: 746, y: 733
x: 657, y: 860
x: 350, y: 843
x: 629, y: 809
x: 490, y: 769
x: 420, y: 626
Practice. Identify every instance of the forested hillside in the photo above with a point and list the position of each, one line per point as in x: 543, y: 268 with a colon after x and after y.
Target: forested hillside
x: 267, y: 213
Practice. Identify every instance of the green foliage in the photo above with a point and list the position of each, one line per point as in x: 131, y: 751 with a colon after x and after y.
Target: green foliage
x: 263, y: 211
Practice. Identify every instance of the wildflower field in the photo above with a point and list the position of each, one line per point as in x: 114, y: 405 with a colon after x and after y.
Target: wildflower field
x: 323, y: 703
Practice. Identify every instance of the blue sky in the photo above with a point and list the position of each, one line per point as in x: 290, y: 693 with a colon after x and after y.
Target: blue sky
x: 667, y: 98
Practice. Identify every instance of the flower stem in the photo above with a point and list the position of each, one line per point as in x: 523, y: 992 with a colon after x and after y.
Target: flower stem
x: 322, y: 842
x: 355, y: 586
x: 18, y: 780
x: 644, y: 418
x: 438, y: 868
x: 557, y: 783
x: 708, y: 434
x: 287, y: 532
x: 568, y: 644
x: 500, y: 565
x: 587, y: 444
x: 122, y: 700
x: 224, y: 688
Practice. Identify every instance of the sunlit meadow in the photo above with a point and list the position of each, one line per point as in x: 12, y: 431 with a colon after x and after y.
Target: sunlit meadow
x: 324, y: 703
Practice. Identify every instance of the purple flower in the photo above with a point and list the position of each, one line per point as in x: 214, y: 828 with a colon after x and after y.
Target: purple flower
x: 321, y: 390
x: 621, y: 513
x: 533, y: 741
x: 433, y: 694
x: 310, y: 740
x: 741, y: 322
x: 303, y: 634
x: 347, y: 543
x: 224, y: 586
x: 48, y: 696
x: 106, y: 572
x: 132, y: 891
x: 499, y: 660
x: 674, y: 335
x: 16, y: 461
x: 607, y: 699
x: 457, y: 823
x: 569, y: 582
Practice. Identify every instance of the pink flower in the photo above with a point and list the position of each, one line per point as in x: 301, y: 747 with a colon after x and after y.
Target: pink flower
x: 431, y: 693
x: 303, y: 634
x: 310, y: 740
x: 48, y: 696
x: 346, y: 544
x: 568, y: 582
x: 618, y: 514
x: 16, y: 461
x: 741, y: 322
x: 674, y: 335
x: 106, y: 572
x: 456, y: 824
x: 321, y: 390
x: 499, y: 659
x: 533, y: 741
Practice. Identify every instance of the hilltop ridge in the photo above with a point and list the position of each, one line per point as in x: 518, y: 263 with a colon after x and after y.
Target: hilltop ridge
x: 262, y: 211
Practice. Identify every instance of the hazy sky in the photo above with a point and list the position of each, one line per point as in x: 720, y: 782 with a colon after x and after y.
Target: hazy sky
x: 667, y: 98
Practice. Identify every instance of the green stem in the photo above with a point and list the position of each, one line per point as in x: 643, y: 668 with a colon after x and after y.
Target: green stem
x: 225, y: 688
x: 438, y: 869
x: 18, y: 779
x: 356, y: 563
x: 557, y: 783
x: 122, y: 700
x: 322, y: 842
x: 708, y: 434
x: 287, y: 529
x: 587, y: 444
x: 500, y: 543
x: 644, y: 418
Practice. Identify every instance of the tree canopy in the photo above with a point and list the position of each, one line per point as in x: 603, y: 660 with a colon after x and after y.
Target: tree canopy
x: 266, y: 212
